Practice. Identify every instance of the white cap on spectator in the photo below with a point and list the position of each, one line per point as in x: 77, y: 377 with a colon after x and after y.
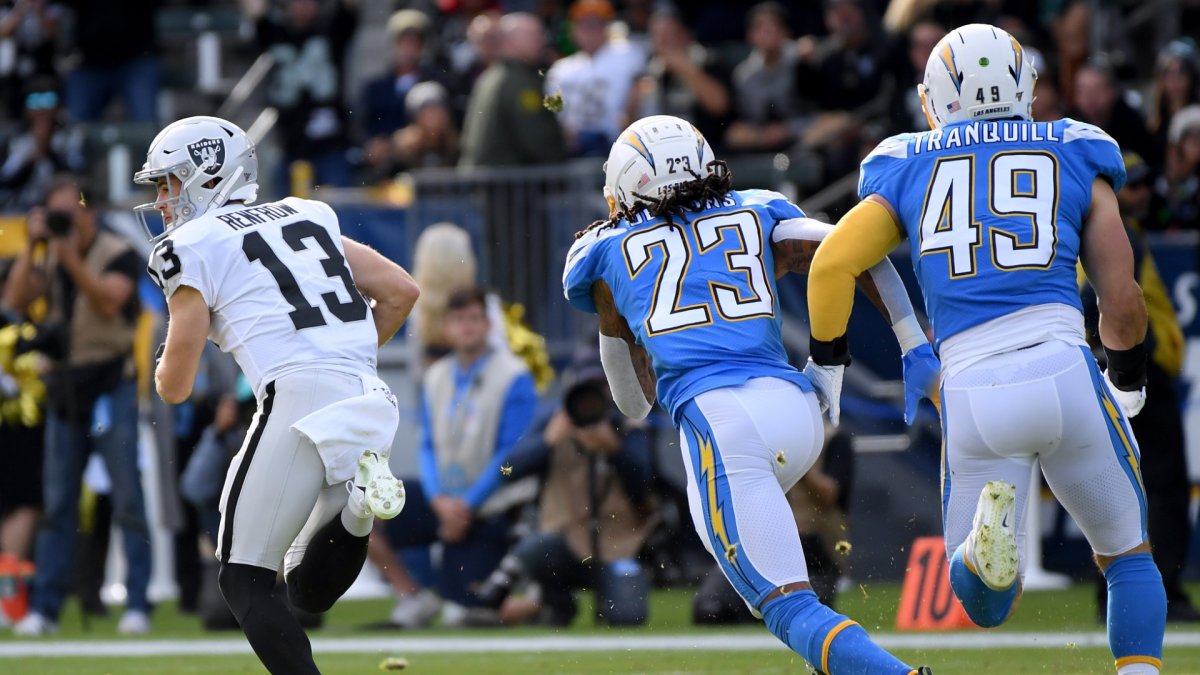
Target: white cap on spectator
x: 1184, y: 122
x: 421, y: 95
x: 406, y: 20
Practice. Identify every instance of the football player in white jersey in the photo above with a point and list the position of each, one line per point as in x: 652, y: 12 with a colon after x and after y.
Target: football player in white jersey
x: 303, y: 310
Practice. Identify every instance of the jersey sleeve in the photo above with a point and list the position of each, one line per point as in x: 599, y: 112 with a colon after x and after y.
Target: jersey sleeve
x: 173, y: 264
x: 879, y: 172
x: 777, y: 205
x: 1096, y: 150
x: 583, y: 269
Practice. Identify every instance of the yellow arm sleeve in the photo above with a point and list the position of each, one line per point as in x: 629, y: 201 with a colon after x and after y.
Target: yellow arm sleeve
x: 862, y: 238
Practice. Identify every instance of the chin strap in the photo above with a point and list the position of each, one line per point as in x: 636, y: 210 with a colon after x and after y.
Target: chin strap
x: 223, y: 196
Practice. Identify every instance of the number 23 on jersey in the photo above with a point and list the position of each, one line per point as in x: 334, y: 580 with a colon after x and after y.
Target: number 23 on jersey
x: 753, y: 298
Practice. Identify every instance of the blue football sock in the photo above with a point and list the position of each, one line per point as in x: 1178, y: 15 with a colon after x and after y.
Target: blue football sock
x: 829, y: 641
x: 987, y: 608
x: 1137, y: 610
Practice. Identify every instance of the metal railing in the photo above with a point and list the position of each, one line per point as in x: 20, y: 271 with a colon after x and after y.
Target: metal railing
x: 523, y: 221
x: 249, y: 83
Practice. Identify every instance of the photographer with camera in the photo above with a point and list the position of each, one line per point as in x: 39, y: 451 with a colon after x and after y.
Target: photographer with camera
x: 88, y: 277
x: 595, y: 509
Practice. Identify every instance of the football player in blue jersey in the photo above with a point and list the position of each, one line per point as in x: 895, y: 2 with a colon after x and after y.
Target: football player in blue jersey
x: 998, y: 209
x: 683, y: 275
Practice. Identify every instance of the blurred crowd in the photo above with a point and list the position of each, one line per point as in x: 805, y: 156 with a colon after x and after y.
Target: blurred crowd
x: 492, y: 83
x: 529, y: 487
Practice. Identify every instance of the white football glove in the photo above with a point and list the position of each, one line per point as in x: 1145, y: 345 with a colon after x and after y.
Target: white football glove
x: 1131, y: 402
x: 827, y: 380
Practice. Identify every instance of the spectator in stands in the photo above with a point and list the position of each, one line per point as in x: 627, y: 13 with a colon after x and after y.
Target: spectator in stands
x: 683, y: 79
x: 841, y: 78
x: 32, y: 25
x: 479, y: 50
x: 764, y: 85
x: 42, y: 149
x: 1177, y: 190
x: 118, y: 57
x: 506, y: 123
x: 430, y: 139
x: 1099, y: 100
x: 634, y: 23
x: 1159, y: 427
x: 906, y: 111
x: 1047, y: 100
x: 1176, y: 86
x: 843, y: 70
x: 309, y: 46
x: 595, y: 511
x: 444, y: 263
x: 595, y: 81
x: 89, y: 283
x: 476, y: 403
x: 384, y: 106
x: 1070, y: 31
x: 457, y: 20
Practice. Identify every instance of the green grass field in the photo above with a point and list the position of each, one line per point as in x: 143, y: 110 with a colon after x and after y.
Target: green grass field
x: 872, y: 605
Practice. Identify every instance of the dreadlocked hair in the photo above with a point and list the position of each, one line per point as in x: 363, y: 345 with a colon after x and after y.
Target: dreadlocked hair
x: 693, y: 195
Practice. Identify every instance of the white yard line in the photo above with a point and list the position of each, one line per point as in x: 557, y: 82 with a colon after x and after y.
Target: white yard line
x: 580, y: 643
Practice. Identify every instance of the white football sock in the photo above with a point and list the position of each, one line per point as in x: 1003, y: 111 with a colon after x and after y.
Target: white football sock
x: 356, y: 518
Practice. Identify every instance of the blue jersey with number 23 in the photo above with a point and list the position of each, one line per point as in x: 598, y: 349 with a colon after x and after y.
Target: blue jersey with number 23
x: 699, y: 295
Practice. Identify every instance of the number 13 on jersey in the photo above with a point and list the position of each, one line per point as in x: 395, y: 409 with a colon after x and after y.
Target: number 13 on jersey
x: 732, y: 302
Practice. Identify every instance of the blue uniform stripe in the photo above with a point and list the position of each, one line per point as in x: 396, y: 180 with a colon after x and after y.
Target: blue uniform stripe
x: 945, y: 465
x: 716, y: 502
x: 1121, y: 435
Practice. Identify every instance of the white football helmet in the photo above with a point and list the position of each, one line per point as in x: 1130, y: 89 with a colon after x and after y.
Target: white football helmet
x: 651, y: 155
x: 977, y: 72
x: 214, y: 161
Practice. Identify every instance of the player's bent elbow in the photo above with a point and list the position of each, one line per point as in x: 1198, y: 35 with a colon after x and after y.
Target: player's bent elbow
x: 172, y: 392
x: 410, y: 290
x: 402, y: 294
x: 633, y: 407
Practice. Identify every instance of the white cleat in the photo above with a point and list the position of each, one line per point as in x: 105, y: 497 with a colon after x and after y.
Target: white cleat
x: 383, y: 493
x: 134, y: 622
x: 34, y: 625
x: 992, y: 544
x: 416, y: 611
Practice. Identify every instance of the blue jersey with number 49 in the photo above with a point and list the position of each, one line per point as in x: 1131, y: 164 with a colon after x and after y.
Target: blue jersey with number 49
x: 699, y: 294
x: 994, y: 210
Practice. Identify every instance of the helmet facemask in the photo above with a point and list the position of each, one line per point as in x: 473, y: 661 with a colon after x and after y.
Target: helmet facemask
x: 151, y: 215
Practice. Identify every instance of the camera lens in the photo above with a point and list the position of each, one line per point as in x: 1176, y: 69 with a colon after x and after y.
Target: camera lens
x: 58, y: 222
x: 586, y: 403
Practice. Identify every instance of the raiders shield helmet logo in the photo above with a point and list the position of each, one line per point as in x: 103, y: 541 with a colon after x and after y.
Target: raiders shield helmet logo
x: 210, y: 151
